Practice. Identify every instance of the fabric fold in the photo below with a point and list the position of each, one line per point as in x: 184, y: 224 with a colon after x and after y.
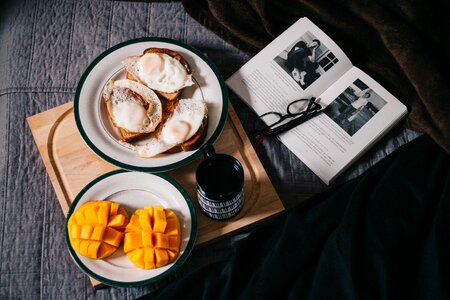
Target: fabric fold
x: 383, y: 235
x: 402, y: 45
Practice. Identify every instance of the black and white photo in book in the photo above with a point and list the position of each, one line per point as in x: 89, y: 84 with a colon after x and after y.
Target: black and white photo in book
x: 354, y: 107
x: 306, y: 59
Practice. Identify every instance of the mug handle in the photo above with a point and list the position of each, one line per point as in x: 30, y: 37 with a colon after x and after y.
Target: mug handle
x: 208, y: 151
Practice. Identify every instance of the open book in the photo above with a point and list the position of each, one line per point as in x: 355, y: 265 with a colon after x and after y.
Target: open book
x: 303, y: 62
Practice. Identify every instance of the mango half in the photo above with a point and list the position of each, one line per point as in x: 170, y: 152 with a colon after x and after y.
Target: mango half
x: 152, y: 237
x: 96, y: 228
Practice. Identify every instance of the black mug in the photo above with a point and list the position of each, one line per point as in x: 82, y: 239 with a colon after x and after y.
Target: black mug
x: 220, y: 185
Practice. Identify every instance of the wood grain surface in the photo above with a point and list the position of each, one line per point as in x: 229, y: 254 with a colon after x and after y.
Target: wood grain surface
x: 71, y: 165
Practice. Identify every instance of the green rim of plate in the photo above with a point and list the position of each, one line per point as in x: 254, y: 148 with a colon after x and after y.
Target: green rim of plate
x: 177, y: 263
x: 171, y: 166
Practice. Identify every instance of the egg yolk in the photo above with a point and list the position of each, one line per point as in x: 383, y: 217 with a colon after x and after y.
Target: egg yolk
x: 176, y: 132
x: 151, y: 63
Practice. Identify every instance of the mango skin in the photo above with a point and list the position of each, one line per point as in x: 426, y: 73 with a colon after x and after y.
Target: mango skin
x: 152, y: 237
x: 96, y: 228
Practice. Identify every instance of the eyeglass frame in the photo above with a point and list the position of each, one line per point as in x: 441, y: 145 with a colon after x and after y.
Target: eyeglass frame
x: 313, y: 108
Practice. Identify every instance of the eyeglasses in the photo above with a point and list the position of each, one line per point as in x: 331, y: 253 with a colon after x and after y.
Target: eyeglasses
x: 295, y: 110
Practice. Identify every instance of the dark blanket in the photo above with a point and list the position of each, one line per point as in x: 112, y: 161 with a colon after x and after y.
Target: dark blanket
x: 404, y: 45
x: 383, y: 235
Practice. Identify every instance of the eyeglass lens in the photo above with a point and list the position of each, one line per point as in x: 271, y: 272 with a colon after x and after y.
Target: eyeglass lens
x: 298, y: 106
x: 271, y: 118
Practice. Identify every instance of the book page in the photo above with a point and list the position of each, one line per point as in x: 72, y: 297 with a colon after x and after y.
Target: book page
x: 302, y: 62
x: 358, y: 112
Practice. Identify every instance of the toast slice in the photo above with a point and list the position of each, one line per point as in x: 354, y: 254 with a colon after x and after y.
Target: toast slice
x: 198, y: 138
x: 125, y: 135
x: 167, y: 96
x: 194, y: 142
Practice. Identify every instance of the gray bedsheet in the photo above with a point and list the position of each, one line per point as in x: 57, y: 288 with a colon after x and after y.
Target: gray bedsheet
x: 44, y: 48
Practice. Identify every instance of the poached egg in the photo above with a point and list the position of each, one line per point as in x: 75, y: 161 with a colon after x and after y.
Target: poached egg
x: 159, y: 71
x: 132, y: 106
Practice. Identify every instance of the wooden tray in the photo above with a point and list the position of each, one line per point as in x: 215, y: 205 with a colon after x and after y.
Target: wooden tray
x: 71, y: 165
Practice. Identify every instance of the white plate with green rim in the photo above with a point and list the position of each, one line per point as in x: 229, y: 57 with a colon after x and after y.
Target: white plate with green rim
x: 134, y: 190
x: 94, y: 124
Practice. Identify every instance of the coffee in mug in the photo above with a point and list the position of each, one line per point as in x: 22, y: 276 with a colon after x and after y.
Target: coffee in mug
x: 220, y: 185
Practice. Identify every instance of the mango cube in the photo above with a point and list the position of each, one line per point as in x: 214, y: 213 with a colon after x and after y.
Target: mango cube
x: 173, y: 226
x: 93, y: 247
x: 103, y: 214
x: 75, y: 232
x: 105, y: 250
x: 174, y: 243
x: 161, y: 240
x: 97, y: 234
x: 149, y: 258
x: 144, y: 220
x: 147, y: 240
x: 86, y: 231
x: 114, y: 209
x: 91, y: 215
x: 133, y: 240
x: 159, y: 219
x: 112, y: 236
x: 134, y: 224
x: 161, y: 257
x: 137, y: 257
x: 117, y: 221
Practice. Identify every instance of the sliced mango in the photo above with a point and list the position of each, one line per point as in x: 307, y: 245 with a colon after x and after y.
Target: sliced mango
x: 112, y: 236
x: 103, y: 214
x: 114, y: 209
x: 147, y: 240
x: 93, y: 248
x: 117, y: 221
x: 145, y: 220
x: 75, y: 232
x: 96, y: 228
x: 86, y: 231
x: 149, y: 258
x: 161, y: 257
x: 156, y: 231
x: 79, y: 218
x: 98, y: 232
x: 174, y: 243
x: 172, y: 255
x: 137, y: 257
x: 84, y: 246
x: 159, y: 219
x: 133, y: 225
x: 161, y: 240
x: 105, y: 250
x: 133, y: 240
x: 172, y: 227
x: 91, y: 215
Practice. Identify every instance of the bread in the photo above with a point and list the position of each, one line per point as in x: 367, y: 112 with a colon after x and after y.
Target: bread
x: 167, y: 96
x: 126, y: 136
x: 194, y: 142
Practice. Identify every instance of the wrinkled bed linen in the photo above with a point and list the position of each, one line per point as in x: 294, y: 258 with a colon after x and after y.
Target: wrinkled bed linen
x: 44, y: 48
